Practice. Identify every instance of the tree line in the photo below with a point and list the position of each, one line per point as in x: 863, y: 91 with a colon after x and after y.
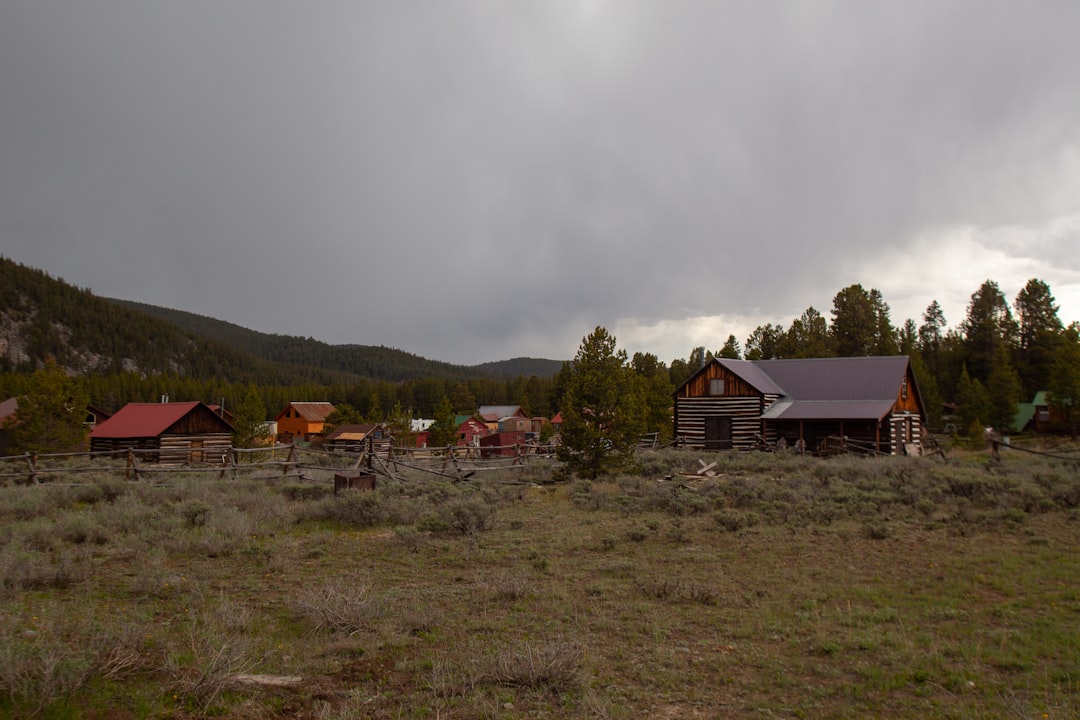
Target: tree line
x: 997, y: 356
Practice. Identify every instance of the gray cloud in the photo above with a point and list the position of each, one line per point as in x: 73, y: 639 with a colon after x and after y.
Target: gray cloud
x: 478, y: 180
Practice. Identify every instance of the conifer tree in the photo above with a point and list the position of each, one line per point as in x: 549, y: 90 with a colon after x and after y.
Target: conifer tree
x: 443, y: 432
x: 764, y: 342
x: 1064, y: 387
x: 1003, y: 387
x: 656, y: 390
x: 989, y: 323
x: 249, y: 419
x: 51, y: 414
x: 807, y: 337
x: 602, y: 409
x: 731, y: 350
x: 973, y: 401
x: 1040, y: 331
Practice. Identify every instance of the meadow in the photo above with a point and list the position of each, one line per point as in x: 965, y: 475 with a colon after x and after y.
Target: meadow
x: 785, y: 586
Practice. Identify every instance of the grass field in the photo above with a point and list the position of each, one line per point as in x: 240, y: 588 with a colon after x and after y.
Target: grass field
x: 785, y: 587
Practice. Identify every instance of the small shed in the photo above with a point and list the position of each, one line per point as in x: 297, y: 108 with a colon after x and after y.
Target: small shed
x: 180, y: 433
x: 502, y: 444
x: 357, y: 437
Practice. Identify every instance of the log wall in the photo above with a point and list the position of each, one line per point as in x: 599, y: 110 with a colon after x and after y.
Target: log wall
x: 745, y: 414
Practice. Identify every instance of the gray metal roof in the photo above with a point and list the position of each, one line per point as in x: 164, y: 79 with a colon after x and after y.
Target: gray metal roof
x: 849, y: 388
x: 749, y: 371
x: 498, y: 412
x: 828, y: 410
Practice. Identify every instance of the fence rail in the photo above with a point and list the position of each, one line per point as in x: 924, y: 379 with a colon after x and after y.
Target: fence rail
x: 277, y: 461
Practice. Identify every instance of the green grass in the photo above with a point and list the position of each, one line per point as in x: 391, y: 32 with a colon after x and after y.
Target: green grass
x: 785, y: 587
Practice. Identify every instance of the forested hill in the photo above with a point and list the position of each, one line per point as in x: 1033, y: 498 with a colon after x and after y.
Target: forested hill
x: 42, y: 316
x: 371, y: 361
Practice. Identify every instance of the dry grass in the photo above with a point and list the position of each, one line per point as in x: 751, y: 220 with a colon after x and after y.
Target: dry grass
x: 786, y: 586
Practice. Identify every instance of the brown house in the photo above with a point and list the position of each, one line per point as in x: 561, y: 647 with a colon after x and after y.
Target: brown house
x: 302, y: 420
x: 180, y: 433
x: 871, y: 403
x: 504, y: 417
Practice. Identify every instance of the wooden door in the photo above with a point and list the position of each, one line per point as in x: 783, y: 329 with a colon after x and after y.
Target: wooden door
x: 717, y: 432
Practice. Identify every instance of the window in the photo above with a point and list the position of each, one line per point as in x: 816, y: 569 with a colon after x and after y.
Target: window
x: 716, y: 386
x: 903, y: 390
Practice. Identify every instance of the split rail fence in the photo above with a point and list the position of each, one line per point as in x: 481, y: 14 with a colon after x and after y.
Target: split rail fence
x: 276, y: 462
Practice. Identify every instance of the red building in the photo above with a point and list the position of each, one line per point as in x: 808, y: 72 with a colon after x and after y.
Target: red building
x: 470, y: 430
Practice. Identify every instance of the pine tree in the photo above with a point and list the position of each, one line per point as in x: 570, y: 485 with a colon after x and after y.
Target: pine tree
x: 1064, y: 387
x: 51, y: 413
x: 443, y: 432
x: 249, y: 420
x: 1040, y: 331
x: 808, y: 337
x: 1003, y: 386
x: 731, y: 350
x: 400, y: 422
x: 764, y: 342
x: 973, y: 401
x: 656, y: 392
x: 856, y: 322
x: 603, y: 411
x: 989, y: 323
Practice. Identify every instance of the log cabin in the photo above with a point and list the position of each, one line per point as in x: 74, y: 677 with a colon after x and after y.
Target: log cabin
x: 813, y: 405
x: 179, y: 433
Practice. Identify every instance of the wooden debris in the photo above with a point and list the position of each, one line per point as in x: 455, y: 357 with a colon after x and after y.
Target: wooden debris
x: 267, y: 680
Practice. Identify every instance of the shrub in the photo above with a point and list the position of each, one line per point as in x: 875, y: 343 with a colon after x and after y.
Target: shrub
x: 344, y: 606
x: 553, y: 666
x: 876, y: 530
x: 202, y: 668
x: 80, y: 528
x: 48, y: 657
x: 22, y: 568
x: 506, y: 586
x: 468, y: 516
x: 306, y: 491
x: 411, y: 537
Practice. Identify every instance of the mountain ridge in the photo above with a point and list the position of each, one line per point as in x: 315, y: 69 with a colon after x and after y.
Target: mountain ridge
x: 43, y: 316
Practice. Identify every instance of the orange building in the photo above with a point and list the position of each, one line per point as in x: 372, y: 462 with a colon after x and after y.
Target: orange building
x: 302, y: 420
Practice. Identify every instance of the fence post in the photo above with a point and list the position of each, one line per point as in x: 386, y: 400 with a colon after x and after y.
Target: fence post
x: 31, y: 460
x: 132, y: 466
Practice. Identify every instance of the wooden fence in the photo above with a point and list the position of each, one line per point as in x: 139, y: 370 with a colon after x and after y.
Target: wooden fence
x: 278, y: 461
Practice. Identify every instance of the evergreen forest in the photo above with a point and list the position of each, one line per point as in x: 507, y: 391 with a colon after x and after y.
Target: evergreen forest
x: 971, y: 374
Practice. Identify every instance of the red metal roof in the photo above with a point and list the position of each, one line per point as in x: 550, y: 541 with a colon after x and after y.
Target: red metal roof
x: 144, y: 419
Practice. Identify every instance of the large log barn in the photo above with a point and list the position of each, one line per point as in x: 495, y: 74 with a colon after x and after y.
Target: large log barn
x: 181, y: 433
x: 812, y: 405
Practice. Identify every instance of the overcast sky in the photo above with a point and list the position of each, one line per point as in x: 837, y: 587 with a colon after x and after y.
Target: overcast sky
x: 480, y: 180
